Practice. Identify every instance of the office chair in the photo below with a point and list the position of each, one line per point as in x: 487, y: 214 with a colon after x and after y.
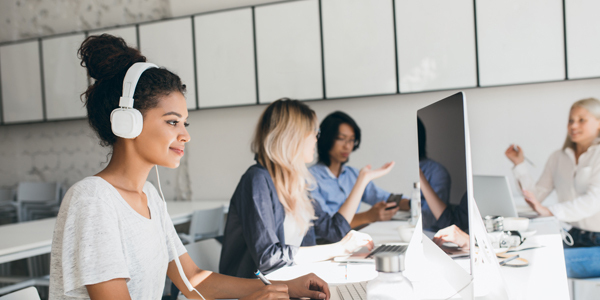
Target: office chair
x: 205, y: 224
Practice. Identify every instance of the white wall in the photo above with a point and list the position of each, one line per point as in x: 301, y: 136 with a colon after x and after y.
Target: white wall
x: 533, y: 116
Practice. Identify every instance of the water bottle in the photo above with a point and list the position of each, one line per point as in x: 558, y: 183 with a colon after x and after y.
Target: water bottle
x: 415, y: 204
x: 390, y: 284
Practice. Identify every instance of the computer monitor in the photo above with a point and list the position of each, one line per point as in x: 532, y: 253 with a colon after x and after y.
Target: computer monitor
x: 445, y: 156
x: 445, y: 160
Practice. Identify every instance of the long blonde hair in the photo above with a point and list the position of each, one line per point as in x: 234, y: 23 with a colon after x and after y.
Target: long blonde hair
x: 590, y: 104
x: 278, y: 144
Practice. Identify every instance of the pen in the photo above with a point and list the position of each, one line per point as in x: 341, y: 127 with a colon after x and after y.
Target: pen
x: 263, y: 278
x: 525, y: 157
x: 502, y: 263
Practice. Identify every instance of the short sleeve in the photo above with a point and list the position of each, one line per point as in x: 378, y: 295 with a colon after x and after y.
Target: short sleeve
x: 91, y: 246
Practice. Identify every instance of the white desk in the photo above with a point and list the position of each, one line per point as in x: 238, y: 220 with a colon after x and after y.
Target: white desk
x: 181, y: 211
x: 544, y: 278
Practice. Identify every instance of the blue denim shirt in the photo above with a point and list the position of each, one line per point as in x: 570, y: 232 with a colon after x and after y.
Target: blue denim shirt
x: 439, y: 180
x: 254, y: 235
x: 331, y: 191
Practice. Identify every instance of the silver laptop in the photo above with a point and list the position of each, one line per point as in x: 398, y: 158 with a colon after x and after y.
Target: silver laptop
x: 493, y: 196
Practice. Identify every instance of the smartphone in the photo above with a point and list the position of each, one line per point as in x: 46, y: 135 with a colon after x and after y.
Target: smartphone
x: 396, y: 199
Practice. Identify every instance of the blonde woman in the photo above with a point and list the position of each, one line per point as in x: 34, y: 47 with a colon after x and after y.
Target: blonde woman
x: 272, y: 221
x: 574, y: 173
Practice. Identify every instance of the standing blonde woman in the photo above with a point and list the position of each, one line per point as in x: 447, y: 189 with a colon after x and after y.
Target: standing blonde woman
x: 272, y: 222
x: 574, y: 173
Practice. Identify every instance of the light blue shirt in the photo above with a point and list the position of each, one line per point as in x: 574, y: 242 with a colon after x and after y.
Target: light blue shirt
x: 331, y: 191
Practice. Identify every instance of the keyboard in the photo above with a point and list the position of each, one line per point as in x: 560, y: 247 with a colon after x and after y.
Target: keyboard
x: 353, y: 291
x: 388, y: 248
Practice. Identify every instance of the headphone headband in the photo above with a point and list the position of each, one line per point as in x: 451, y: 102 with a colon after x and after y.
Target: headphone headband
x: 130, y: 82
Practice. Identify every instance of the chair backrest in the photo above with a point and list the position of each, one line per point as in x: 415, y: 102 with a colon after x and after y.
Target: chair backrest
x: 39, y: 192
x: 206, y: 254
x: 29, y: 293
x: 6, y: 195
x: 207, y: 222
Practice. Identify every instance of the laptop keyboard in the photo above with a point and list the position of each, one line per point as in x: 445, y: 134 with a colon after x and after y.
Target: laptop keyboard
x: 388, y: 248
x: 353, y: 291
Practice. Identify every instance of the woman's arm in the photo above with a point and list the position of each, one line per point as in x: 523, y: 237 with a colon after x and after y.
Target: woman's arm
x: 112, y: 289
x: 545, y: 185
x: 436, y: 205
x: 348, y: 209
x: 217, y: 286
x: 350, y: 243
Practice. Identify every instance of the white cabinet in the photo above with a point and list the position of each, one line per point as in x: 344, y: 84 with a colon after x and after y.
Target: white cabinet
x: 288, y: 38
x: 225, y: 58
x: 64, y: 78
x: 21, y: 82
x: 583, y: 38
x: 129, y: 34
x: 170, y: 44
x: 520, y: 41
x: 436, y: 45
x: 359, y: 50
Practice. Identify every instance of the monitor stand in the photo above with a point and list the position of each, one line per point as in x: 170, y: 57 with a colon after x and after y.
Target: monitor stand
x: 437, y: 276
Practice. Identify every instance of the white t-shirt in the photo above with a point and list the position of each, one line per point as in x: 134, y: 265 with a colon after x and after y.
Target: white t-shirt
x: 576, y: 184
x: 98, y: 237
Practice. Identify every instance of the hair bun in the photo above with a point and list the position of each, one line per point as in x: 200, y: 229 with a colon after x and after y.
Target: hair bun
x: 105, y: 56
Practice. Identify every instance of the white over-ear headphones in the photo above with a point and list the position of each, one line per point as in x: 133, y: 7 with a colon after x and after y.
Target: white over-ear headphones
x: 126, y: 121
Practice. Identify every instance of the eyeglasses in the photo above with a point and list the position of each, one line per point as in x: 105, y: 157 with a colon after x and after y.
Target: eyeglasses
x: 352, y: 142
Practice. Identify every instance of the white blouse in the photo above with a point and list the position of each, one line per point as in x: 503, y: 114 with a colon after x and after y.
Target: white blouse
x: 576, y: 184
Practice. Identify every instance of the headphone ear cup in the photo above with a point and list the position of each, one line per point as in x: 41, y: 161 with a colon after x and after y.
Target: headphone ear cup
x: 126, y: 123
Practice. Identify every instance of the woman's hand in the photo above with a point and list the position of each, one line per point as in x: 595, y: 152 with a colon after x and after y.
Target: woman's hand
x: 268, y: 292
x: 310, y: 286
x: 536, y: 205
x: 369, y: 174
x: 353, y: 241
x: 380, y: 212
x: 452, y: 234
x: 516, y: 156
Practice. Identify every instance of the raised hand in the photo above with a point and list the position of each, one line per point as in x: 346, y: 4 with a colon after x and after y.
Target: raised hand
x: 368, y: 174
x: 516, y: 156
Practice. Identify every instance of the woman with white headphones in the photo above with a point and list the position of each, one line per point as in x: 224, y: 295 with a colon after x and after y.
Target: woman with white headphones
x: 113, y: 237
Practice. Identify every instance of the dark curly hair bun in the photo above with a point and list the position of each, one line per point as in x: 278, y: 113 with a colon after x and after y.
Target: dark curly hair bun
x: 107, y: 59
x: 106, y: 56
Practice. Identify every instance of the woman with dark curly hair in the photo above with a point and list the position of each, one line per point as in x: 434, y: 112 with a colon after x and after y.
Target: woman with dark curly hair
x: 113, y: 237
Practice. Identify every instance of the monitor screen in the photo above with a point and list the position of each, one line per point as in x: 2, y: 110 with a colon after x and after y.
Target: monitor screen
x: 443, y: 156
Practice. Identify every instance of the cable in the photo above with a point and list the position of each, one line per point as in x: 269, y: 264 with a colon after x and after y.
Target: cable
x: 171, y: 243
